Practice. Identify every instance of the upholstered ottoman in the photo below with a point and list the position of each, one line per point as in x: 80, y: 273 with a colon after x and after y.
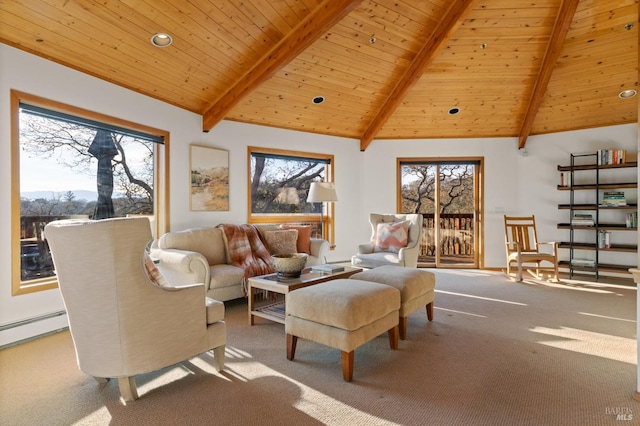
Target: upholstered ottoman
x: 416, y: 289
x: 342, y: 314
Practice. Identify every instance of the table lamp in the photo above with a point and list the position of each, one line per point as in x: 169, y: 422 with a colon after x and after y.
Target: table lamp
x: 321, y: 192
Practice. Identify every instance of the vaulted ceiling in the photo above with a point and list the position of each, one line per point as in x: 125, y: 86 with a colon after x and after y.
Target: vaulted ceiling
x: 386, y: 69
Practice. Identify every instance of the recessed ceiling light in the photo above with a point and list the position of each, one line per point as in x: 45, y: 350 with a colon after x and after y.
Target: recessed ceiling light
x: 454, y: 111
x: 161, y: 40
x: 627, y: 94
x: 317, y: 100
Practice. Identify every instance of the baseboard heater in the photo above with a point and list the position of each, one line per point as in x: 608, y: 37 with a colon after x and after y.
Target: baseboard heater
x: 22, y: 323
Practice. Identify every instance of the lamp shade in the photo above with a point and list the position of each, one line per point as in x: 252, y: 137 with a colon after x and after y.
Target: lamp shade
x: 322, y: 191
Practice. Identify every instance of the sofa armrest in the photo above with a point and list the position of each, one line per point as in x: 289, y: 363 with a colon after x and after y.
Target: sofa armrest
x: 319, y: 248
x: 182, y: 267
x: 366, y: 248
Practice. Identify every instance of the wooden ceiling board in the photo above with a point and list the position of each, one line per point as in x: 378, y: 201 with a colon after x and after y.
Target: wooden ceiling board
x: 216, y: 42
x: 344, y: 51
x: 87, y: 55
x: 598, y: 60
x: 474, y: 79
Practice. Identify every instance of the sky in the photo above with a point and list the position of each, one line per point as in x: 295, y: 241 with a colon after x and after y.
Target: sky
x: 47, y: 175
x: 38, y: 174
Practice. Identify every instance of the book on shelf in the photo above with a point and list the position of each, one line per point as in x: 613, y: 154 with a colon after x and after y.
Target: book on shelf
x: 327, y: 268
x: 604, y: 240
x: 614, y: 198
x: 632, y: 220
x: 587, y: 263
x: 582, y: 220
x: 611, y: 156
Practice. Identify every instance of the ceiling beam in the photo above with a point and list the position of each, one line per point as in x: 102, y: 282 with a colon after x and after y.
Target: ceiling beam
x: 558, y: 36
x: 302, y: 36
x: 436, y: 41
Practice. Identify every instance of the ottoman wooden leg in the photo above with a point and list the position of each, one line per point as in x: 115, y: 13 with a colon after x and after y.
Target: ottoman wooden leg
x: 393, y: 338
x: 347, y: 365
x: 291, y: 346
x: 430, y: 311
x: 403, y: 328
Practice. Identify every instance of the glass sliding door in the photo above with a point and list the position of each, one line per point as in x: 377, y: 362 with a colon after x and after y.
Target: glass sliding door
x: 447, y: 193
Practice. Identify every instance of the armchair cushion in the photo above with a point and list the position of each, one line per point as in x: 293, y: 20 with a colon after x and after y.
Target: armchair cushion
x: 391, y: 236
x: 282, y: 241
x: 215, y: 310
x: 224, y: 275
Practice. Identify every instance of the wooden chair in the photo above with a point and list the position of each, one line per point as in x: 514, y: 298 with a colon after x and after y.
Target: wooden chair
x: 522, y: 246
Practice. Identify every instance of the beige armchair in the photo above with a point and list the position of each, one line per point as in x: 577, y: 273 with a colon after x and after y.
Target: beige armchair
x: 122, y: 323
x: 388, y: 249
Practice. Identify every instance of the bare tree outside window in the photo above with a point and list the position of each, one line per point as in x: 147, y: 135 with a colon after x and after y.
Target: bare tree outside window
x: 69, y: 170
x: 419, y: 188
x: 280, y: 186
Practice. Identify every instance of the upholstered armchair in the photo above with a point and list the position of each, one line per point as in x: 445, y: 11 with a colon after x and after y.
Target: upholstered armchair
x: 121, y: 322
x: 395, y: 240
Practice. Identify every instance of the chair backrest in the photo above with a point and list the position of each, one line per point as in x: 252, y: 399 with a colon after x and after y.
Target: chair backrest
x: 100, y: 272
x: 521, y: 230
x: 415, y: 225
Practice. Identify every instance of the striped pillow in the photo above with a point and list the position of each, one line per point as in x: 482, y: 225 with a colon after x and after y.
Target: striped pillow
x: 391, y: 237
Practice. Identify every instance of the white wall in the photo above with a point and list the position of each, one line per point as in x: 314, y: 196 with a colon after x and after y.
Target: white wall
x: 365, y: 181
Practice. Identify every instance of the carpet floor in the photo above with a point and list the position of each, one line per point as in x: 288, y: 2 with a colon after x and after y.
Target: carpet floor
x: 497, y: 353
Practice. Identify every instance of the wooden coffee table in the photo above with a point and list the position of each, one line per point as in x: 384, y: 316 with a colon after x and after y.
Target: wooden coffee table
x: 277, y: 311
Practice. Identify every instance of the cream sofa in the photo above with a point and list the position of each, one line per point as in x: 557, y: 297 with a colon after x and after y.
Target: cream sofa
x: 200, y: 255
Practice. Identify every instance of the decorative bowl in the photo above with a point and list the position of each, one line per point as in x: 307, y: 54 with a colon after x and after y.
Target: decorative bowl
x: 289, y: 265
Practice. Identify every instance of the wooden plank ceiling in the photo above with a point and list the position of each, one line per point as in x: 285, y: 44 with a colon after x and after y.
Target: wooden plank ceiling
x: 387, y: 69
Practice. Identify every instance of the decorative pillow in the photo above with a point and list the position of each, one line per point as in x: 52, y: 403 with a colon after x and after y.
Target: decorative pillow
x: 391, y: 236
x: 153, y: 273
x: 281, y: 242
x: 303, y: 245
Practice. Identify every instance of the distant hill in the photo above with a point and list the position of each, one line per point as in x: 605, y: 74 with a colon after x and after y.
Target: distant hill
x: 79, y: 194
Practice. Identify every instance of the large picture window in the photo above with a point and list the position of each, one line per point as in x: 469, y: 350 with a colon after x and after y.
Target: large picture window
x: 279, y: 182
x: 69, y: 163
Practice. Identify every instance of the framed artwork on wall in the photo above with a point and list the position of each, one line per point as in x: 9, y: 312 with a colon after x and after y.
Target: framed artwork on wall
x: 209, y: 183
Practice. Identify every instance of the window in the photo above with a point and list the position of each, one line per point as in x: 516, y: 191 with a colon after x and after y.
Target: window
x: 279, y: 183
x: 72, y: 163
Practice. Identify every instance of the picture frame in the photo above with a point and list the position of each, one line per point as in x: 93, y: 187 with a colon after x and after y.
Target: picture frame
x: 208, y: 178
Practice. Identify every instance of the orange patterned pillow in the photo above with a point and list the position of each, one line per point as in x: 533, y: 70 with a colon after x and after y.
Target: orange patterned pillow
x: 391, y: 236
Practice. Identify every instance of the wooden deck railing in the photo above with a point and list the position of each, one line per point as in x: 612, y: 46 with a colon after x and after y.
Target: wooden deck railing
x: 456, y: 235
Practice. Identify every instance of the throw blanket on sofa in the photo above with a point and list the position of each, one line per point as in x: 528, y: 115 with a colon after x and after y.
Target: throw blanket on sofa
x: 247, y: 251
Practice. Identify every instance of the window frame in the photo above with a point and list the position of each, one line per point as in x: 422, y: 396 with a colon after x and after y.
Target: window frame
x: 329, y: 215
x: 161, y: 179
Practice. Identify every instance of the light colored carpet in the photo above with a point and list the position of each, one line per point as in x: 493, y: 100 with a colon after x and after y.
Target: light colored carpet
x: 497, y: 353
